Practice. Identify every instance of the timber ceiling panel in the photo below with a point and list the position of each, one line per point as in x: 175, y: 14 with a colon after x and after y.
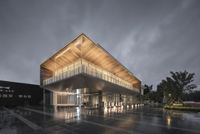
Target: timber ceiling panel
x: 84, y: 47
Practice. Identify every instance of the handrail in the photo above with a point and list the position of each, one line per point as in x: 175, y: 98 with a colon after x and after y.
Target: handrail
x: 89, y: 69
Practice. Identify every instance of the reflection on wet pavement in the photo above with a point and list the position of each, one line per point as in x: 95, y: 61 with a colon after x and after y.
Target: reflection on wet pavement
x: 133, y: 119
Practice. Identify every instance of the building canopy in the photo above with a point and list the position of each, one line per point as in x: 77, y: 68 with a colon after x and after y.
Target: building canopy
x: 83, y: 47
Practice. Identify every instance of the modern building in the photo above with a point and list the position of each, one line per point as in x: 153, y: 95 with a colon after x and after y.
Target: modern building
x: 16, y: 94
x: 85, y: 74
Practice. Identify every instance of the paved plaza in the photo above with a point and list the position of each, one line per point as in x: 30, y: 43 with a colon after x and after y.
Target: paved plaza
x: 136, y: 120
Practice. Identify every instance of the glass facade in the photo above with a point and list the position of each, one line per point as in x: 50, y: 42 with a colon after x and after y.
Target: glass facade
x: 66, y: 99
x: 74, y: 98
x: 83, y: 66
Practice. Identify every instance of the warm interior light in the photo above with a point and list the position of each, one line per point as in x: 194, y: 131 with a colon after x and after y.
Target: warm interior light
x: 169, y: 120
x: 82, y: 46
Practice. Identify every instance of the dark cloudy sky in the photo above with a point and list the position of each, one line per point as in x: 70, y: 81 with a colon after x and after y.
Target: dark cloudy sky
x: 150, y: 37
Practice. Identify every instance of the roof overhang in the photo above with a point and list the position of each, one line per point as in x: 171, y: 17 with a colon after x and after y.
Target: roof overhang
x: 83, y: 47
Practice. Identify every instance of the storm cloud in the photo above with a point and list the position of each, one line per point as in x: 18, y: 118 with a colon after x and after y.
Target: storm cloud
x: 150, y: 38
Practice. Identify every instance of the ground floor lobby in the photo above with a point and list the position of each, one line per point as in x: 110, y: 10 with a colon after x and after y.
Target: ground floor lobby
x: 88, y: 98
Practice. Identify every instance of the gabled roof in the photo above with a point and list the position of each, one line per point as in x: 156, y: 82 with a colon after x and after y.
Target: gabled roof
x: 83, y: 47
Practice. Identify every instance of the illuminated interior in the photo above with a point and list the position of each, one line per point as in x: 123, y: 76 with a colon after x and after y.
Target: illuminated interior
x: 83, y: 52
x: 82, y: 66
x: 82, y: 57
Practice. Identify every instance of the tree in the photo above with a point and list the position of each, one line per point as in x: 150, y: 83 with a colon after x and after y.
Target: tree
x: 147, y: 91
x: 160, y: 92
x: 183, y: 81
x: 153, y: 96
x: 149, y: 94
x: 192, y: 96
x: 174, y: 87
x: 166, y: 90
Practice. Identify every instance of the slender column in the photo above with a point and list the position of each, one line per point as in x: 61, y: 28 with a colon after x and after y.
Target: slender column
x: 90, y: 100
x: 44, y: 100
x: 44, y: 97
x: 100, y: 103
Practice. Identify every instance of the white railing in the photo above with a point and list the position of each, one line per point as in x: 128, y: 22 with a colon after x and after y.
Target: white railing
x: 89, y: 69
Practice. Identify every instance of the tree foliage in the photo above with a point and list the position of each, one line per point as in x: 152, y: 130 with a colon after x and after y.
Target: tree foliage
x: 173, y: 88
x: 192, y: 96
x: 147, y: 90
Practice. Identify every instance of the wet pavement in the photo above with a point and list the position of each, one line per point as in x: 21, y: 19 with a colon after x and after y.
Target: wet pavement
x: 138, y: 120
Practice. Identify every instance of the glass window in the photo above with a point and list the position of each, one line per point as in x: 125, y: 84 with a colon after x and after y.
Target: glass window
x: 20, y: 96
x: 10, y: 95
x: 5, y: 95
